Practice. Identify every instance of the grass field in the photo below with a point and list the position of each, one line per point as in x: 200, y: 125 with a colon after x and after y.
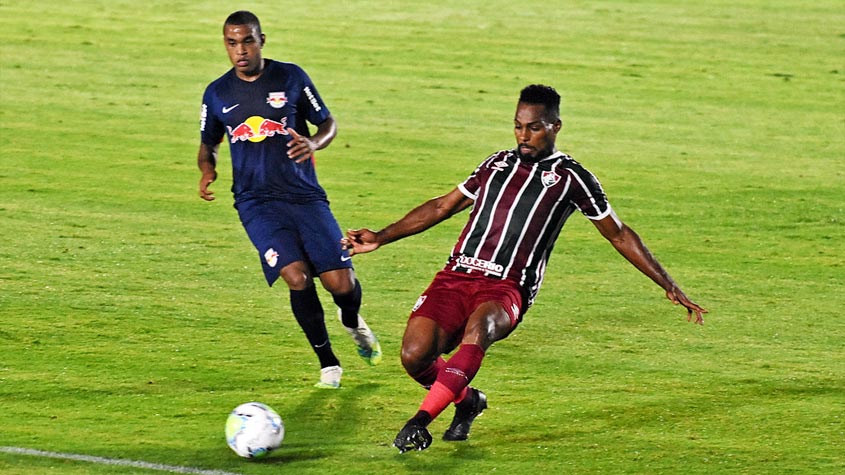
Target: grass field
x: 133, y: 315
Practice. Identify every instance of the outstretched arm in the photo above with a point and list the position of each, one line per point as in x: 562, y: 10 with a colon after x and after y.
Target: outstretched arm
x: 207, y: 163
x: 424, y: 216
x: 629, y: 244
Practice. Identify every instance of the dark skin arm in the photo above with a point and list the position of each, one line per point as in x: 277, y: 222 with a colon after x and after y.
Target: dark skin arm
x: 436, y: 210
x: 207, y: 163
x: 300, y: 148
x: 424, y: 216
x: 629, y: 244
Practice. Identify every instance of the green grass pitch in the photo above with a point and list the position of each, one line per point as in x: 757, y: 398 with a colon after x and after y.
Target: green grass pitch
x: 133, y: 315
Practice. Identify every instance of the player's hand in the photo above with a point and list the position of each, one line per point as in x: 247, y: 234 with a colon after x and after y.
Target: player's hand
x: 360, y: 241
x: 677, y: 297
x: 300, y: 148
x: 205, y: 181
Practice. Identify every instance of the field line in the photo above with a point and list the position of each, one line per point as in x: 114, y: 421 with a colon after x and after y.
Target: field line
x: 112, y: 461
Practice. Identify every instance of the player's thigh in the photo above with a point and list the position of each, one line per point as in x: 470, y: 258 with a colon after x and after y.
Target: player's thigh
x: 423, y: 341
x: 447, y: 302
x: 488, y: 323
x: 278, y: 245
x: 497, y: 308
x: 321, y: 235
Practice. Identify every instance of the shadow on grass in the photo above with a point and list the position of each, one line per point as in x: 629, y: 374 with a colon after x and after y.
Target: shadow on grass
x: 323, y: 423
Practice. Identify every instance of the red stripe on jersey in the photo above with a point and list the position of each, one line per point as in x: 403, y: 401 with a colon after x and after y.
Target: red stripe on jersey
x: 520, y: 208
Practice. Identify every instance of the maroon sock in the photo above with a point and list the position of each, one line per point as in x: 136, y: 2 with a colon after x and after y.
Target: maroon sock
x: 459, y: 398
x: 427, y: 376
x: 461, y: 368
x: 453, y: 379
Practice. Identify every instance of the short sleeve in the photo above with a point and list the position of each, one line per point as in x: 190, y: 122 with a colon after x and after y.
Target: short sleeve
x: 315, y: 110
x: 471, y: 185
x: 587, y: 194
x: 211, y: 128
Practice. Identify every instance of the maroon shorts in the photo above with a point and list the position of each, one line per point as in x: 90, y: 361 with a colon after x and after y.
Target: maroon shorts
x: 453, y: 296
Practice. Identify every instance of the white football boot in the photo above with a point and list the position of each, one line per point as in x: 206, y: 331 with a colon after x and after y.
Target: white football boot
x: 330, y: 377
x: 369, y: 348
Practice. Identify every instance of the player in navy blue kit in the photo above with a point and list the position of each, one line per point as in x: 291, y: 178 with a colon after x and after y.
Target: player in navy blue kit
x: 263, y: 107
x: 520, y: 200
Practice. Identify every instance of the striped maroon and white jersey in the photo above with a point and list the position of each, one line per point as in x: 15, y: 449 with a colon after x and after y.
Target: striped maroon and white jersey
x: 519, y: 210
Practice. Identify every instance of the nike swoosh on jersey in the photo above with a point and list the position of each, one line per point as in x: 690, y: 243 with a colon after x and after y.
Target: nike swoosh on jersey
x: 226, y: 110
x: 344, y: 258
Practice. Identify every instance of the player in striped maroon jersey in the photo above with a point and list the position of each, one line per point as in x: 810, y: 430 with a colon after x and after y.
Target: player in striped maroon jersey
x: 520, y: 200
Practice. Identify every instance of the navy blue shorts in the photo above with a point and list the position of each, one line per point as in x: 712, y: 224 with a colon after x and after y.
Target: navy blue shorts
x: 288, y: 232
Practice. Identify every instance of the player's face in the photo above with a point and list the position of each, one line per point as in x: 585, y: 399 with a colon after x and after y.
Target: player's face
x: 535, y: 135
x: 244, y: 43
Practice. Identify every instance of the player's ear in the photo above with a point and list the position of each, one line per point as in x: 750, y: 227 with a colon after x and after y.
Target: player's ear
x: 558, y: 125
x: 263, y: 39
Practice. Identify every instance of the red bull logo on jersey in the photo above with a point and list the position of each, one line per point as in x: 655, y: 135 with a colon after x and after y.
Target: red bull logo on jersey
x: 256, y: 129
x: 277, y: 100
x: 549, y: 178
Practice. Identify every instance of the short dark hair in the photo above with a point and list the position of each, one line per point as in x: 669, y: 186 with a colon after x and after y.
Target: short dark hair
x: 243, y: 17
x: 544, y: 95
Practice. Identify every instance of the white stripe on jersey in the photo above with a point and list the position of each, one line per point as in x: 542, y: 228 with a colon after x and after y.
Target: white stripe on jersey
x: 510, y: 216
x: 480, y: 205
x: 527, y: 226
x: 530, y: 259
x: 592, y: 199
x: 466, y: 192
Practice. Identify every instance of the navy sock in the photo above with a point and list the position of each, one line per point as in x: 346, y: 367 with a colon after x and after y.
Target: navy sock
x: 350, y: 304
x: 309, y: 314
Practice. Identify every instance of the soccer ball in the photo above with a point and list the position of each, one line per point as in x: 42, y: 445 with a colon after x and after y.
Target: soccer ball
x: 253, y: 430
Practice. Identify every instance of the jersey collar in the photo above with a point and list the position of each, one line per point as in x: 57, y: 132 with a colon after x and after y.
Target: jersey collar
x: 553, y: 156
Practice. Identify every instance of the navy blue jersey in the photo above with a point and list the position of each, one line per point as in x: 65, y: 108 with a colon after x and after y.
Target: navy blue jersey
x: 254, y: 117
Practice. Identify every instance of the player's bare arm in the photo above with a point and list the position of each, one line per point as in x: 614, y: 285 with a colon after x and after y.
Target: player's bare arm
x: 301, y: 147
x: 207, y: 163
x: 424, y: 216
x: 629, y: 244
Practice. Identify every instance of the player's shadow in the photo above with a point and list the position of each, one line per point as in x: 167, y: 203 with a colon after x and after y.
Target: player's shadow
x: 321, y: 422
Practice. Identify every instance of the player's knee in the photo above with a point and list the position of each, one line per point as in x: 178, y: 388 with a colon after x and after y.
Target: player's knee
x: 297, y: 277
x: 415, y: 358
x: 338, y: 282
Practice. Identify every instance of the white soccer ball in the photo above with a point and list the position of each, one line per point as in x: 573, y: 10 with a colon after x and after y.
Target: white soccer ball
x: 253, y: 430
